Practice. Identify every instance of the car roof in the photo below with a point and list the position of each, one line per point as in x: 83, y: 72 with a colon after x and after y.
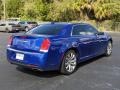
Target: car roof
x: 55, y: 23
x: 65, y: 23
x: 59, y: 23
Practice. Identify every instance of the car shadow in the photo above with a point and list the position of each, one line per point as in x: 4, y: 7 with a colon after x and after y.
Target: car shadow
x: 44, y: 74
x: 50, y: 74
x: 89, y: 61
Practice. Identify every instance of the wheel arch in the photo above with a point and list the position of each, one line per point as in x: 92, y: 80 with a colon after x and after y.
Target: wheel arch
x: 111, y: 40
x: 72, y: 48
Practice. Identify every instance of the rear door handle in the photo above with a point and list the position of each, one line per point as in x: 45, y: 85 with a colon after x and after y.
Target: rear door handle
x: 86, y: 40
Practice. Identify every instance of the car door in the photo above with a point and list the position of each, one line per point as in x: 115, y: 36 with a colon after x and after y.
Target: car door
x: 102, y: 39
x: 91, y: 33
x: 85, y: 41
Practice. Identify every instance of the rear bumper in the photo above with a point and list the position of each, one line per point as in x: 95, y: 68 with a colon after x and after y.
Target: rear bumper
x: 25, y: 65
x: 31, y: 60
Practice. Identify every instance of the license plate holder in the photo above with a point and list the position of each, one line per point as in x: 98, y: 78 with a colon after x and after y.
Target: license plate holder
x: 19, y: 56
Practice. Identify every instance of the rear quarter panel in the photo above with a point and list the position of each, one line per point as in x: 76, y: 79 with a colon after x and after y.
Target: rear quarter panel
x: 58, y: 48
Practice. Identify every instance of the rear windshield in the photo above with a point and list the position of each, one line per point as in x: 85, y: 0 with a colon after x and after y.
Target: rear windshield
x: 47, y: 29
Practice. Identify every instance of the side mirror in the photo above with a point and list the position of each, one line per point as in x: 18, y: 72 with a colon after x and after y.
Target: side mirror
x: 100, y: 33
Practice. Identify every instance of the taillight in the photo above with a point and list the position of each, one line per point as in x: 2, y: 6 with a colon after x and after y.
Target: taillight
x: 10, y: 39
x: 45, y: 45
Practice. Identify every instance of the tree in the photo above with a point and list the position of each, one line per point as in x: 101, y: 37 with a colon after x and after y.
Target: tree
x: 42, y: 9
x: 1, y: 9
x: 64, y: 10
x: 98, y: 9
x: 14, y: 8
x: 61, y: 10
x: 28, y: 10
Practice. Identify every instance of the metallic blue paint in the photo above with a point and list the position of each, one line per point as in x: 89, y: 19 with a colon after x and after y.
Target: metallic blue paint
x: 86, y: 46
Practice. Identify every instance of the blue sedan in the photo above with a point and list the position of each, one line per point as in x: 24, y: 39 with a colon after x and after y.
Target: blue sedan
x: 58, y: 46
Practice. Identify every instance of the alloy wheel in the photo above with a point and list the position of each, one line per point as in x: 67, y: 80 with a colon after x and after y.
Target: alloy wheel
x: 109, y: 48
x: 70, y: 62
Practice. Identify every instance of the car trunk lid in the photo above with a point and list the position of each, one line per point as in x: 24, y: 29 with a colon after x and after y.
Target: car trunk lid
x: 27, y: 42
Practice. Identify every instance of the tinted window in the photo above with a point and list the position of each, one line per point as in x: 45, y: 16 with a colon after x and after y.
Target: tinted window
x: 47, y: 29
x: 83, y: 30
x: 32, y: 22
x: 78, y: 30
x: 90, y: 29
x: 11, y: 24
x: 2, y: 24
x: 21, y: 23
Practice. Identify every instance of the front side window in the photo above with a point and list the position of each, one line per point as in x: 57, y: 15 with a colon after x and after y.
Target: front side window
x: 50, y: 29
x: 90, y: 29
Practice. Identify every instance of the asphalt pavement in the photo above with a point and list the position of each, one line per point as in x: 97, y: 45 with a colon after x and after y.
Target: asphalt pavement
x: 101, y: 73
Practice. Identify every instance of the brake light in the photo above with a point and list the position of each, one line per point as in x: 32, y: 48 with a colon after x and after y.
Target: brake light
x: 45, y: 45
x: 10, y: 39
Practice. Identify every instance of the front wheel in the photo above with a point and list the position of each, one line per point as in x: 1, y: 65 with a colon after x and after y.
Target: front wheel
x: 69, y: 62
x: 109, y: 49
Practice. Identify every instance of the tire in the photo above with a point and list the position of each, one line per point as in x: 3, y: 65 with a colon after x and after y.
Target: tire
x: 7, y: 30
x: 69, y: 62
x: 108, y: 51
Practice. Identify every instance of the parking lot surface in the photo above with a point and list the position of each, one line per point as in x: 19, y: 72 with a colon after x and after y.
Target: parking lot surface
x: 101, y: 73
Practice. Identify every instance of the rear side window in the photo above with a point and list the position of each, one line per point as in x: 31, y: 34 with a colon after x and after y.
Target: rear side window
x: 78, y: 30
x: 51, y: 29
x: 84, y: 30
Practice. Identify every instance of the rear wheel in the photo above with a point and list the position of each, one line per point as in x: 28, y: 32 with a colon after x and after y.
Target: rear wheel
x: 69, y: 62
x: 109, y: 49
